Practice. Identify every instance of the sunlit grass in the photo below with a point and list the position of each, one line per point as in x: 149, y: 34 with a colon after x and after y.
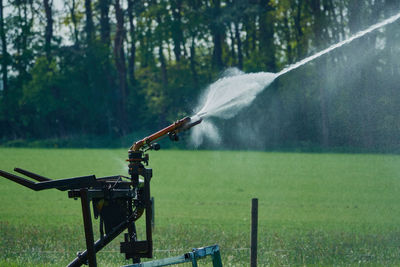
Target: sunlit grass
x: 314, y: 209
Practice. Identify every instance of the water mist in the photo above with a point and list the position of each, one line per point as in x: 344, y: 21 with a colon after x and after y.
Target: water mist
x: 236, y: 90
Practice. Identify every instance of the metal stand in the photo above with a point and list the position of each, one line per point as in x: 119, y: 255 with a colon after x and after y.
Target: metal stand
x: 87, y: 223
x: 193, y: 256
x: 119, y: 201
x: 140, y: 195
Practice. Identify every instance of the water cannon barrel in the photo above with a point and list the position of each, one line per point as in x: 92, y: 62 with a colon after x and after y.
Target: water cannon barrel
x: 178, y: 126
x: 193, y: 122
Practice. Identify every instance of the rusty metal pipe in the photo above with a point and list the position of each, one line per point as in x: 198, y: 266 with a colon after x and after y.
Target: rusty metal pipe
x: 178, y: 126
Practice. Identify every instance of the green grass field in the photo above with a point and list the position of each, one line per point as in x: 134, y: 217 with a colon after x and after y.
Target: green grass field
x: 314, y: 209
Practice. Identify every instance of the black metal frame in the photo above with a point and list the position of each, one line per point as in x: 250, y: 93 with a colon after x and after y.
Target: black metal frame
x: 130, y: 191
x: 121, y: 195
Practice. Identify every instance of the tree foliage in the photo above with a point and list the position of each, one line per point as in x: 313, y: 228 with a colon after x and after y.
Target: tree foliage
x: 112, y: 67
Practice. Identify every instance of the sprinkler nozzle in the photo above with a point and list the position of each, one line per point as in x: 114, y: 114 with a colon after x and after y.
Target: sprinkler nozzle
x: 172, y: 130
x: 192, y: 122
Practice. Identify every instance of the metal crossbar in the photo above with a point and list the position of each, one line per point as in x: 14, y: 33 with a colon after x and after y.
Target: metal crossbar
x: 193, y: 256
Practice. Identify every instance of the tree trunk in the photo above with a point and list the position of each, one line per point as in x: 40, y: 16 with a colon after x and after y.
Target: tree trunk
x: 333, y: 19
x: 289, y: 51
x: 104, y: 6
x: 319, y: 37
x: 119, y: 56
x: 89, y: 22
x: 217, y: 35
x: 132, y: 55
x: 342, y: 20
x: 49, y: 27
x: 74, y: 22
x: 300, y: 50
x: 232, y: 37
x: 193, y: 63
x: 146, y: 44
x: 246, y: 43
x: 177, y: 35
x: 392, y: 39
x: 266, y: 44
x: 25, y: 30
x: 26, y: 35
x: 4, y: 61
x: 164, y: 76
x: 355, y: 8
x: 239, y: 46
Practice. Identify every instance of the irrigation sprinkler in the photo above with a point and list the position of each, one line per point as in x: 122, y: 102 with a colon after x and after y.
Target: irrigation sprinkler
x: 117, y: 200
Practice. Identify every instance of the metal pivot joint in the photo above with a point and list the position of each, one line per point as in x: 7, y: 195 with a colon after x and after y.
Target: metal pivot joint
x: 133, y: 248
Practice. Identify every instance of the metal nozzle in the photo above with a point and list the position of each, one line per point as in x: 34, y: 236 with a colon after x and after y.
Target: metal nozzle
x: 193, y: 121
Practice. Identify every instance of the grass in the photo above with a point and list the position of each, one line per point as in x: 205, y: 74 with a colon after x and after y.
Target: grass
x: 314, y: 209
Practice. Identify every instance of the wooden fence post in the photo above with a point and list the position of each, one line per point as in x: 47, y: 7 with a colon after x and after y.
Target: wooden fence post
x: 254, y: 232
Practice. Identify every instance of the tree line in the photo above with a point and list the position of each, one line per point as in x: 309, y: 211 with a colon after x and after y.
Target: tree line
x: 113, y: 67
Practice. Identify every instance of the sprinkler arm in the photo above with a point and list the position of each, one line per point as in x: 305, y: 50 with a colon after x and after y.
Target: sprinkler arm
x: 172, y: 130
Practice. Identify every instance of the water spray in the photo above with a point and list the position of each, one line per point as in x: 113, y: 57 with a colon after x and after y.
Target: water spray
x: 340, y: 44
x: 229, y: 95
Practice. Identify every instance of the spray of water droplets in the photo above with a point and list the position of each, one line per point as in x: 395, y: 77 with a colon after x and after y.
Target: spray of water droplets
x: 225, y: 98
x: 236, y: 90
